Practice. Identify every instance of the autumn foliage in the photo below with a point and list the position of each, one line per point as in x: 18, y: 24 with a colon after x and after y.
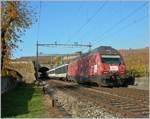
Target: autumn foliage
x: 137, y: 61
x: 16, y: 17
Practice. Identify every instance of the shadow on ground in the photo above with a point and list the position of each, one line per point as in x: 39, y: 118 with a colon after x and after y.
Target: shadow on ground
x: 66, y: 87
x: 15, y: 102
x: 75, y: 86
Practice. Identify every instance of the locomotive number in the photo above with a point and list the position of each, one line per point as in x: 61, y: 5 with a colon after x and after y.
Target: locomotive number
x: 113, y: 68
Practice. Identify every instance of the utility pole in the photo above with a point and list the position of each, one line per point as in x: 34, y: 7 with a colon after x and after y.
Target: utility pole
x: 90, y: 46
x: 37, y: 61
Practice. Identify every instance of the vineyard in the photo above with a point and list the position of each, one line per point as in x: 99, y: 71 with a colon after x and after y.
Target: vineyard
x: 137, y: 61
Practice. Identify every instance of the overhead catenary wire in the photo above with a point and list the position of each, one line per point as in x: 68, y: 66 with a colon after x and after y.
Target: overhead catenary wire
x: 89, y: 19
x: 122, y: 20
x: 68, y: 27
x: 132, y: 23
x: 127, y: 26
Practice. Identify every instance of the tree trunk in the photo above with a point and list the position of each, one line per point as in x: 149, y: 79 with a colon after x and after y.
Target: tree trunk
x: 4, y: 44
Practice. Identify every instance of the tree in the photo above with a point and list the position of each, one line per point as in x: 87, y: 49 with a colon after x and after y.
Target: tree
x: 16, y: 18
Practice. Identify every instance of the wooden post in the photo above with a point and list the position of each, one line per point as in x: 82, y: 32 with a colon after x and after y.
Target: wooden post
x: 53, y: 102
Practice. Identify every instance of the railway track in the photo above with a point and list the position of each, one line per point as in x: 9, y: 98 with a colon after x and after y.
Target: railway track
x: 127, y: 105
x: 124, y: 102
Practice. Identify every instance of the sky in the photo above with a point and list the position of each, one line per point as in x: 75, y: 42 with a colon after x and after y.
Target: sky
x: 120, y: 24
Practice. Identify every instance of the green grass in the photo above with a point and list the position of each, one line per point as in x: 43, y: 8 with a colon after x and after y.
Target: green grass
x: 24, y: 101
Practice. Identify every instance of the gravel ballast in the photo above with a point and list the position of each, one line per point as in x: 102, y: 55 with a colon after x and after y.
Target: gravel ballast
x: 76, y: 106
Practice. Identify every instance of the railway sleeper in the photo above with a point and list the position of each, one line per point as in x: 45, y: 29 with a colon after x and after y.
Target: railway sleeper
x: 125, y: 113
x: 129, y: 107
x: 131, y: 102
x: 126, y: 107
x: 122, y: 106
x: 128, y: 104
x: 140, y: 110
x: 145, y: 113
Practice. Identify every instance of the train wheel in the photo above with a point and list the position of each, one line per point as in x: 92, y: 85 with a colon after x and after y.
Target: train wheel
x: 67, y: 78
x: 98, y: 85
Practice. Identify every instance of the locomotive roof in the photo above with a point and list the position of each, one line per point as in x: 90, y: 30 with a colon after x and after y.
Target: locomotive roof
x: 103, y: 50
x: 107, y: 50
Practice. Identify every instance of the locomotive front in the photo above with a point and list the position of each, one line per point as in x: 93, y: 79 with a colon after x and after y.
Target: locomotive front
x: 113, y: 70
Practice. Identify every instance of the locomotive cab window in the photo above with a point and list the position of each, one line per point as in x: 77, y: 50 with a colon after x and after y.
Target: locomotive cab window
x: 111, y: 59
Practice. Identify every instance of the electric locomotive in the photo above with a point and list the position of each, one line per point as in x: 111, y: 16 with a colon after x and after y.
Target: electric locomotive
x: 104, y: 66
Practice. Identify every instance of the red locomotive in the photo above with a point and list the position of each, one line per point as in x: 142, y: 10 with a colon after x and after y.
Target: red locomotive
x: 104, y: 66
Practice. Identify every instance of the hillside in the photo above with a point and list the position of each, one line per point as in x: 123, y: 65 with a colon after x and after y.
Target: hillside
x: 56, y: 59
x: 136, y: 60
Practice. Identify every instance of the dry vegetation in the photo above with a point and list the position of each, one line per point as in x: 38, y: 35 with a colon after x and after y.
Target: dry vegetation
x: 136, y: 60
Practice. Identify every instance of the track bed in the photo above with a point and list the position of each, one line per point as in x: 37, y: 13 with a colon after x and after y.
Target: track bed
x: 119, y: 102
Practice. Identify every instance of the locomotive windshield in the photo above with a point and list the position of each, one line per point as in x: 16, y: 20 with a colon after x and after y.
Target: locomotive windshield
x: 111, y: 59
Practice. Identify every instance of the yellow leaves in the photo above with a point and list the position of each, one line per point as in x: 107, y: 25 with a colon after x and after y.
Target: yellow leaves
x: 137, y: 61
x: 11, y: 11
x: 15, y: 19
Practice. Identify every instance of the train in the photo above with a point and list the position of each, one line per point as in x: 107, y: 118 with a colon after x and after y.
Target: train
x: 104, y: 66
x: 59, y: 72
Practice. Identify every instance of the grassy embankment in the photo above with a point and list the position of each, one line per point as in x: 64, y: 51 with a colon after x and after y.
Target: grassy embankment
x: 24, y: 101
